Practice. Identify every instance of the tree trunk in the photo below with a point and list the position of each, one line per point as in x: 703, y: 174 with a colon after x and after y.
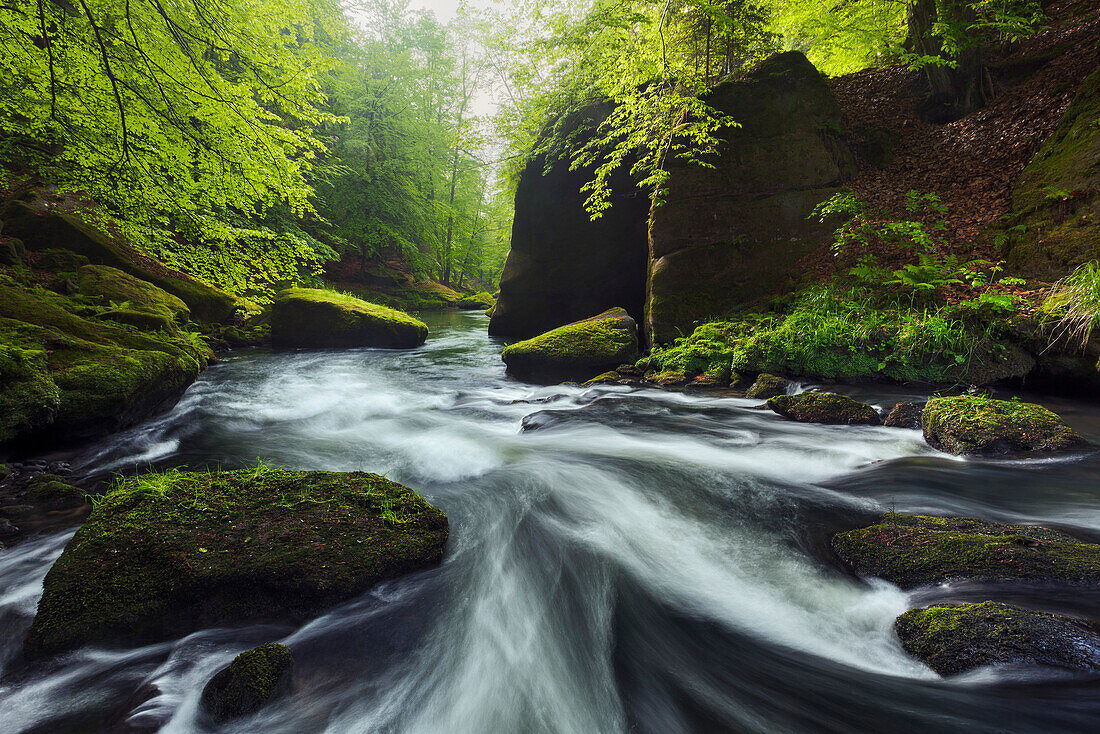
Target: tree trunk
x: 953, y: 92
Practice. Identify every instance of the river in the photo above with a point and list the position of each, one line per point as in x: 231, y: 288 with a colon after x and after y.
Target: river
x: 636, y: 560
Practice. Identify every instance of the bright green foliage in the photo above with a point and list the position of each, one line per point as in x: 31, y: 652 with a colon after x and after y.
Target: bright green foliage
x: 1073, y: 305
x: 842, y: 37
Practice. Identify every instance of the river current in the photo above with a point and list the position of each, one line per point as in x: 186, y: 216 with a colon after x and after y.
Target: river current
x: 620, y: 560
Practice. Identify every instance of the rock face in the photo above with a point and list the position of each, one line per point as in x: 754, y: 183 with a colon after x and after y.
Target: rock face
x: 956, y: 638
x: 824, y: 407
x: 576, y: 351
x: 563, y: 266
x: 308, y: 317
x: 165, y: 554
x: 1056, y: 200
x: 973, y: 425
x: 137, y: 302
x: 917, y: 550
x: 733, y: 234
x: 767, y: 386
x: 254, y: 678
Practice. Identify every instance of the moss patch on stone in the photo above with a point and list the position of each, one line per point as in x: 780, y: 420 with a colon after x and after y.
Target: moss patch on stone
x: 254, y: 678
x: 824, y: 407
x: 918, y: 550
x: 136, y: 302
x: 767, y: 386
x: 576, y: 351
x: 166, y: 553
x: 482, y: 301
x: 976, y: 425
x: 905, y: 415
x: 310, y: 317
x: 952, y: 639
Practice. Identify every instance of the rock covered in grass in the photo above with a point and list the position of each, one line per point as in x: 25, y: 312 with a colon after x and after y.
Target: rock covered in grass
x: 824, y: 407
x: 482, y: 301
x: 767, y: 386
x: 576, y: 351
x: 254, y: 678
x: 136, y: 302
x: 918, y: 550
x: 955, y: 638
x: 905, y: 415
x: 977, y: 425
x: 167, y: 553
x: 310, y: 317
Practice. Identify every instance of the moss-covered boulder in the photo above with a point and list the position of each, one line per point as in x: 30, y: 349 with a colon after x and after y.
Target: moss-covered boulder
x: 167, y: 553
x: 824, y: 407
x: 955, y: 638
x: 576, y: 351
x: 71, y: 377
x: 52, y: 490
x: 134, y: 301
x: 904, y: 415
x: 918, y: 550
x: 59, y: 261
x: 254, y: 678
x: 767, y: 386
x: 976, y: 425
x: 482, y: 301
x: 310, y: 317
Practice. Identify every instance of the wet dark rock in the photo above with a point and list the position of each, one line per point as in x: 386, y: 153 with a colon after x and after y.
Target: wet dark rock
x: 919, y: 550
x: 905, y: 415
x: 955, y: 638
x: 254, y: 678
x: 824, y: 407
x: 976, y: 425
x: 767, y: 386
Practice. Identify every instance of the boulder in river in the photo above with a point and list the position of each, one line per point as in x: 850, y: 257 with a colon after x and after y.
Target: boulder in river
x: 767, y: 386
x: 254, y: 678
x: 955, y: 638
x: 975, y: 425
x: 918, y: 550
x: 167, y: 553
x: 482, y: 301
x: 576, y: 351
x: 905, y: 415
x: 311, y: 317
x: 824, y: 407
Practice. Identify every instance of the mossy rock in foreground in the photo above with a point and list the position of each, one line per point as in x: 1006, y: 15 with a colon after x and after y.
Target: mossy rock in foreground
x: 310, y: 317
x: 767, y: 386
x: 254, y: 678
x: 576, y: 351
x: 167, y: 553
x: 956, y: 638
x: 918, y: 550
x: 824, y: 407
x: 975, y: 425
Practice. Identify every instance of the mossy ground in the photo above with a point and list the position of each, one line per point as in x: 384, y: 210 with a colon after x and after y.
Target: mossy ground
x: 578, y: 350
x: 975, y: 425
x: 311, y: 317
x: 168, y: 552
x: 919, y: 550
x: 956, y: 638
x: 250, y: 681
x: 824, y: 407
x: 133, y: 301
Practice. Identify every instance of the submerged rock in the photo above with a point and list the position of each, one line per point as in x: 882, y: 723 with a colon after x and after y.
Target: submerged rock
x: 975, y: 425
x: 310, y: 317
x: 254, y: 678
x: 918, y: 550
x: 905, y: 415
x: 955, y: 638
x: 767, y: 386
x: 576, y: 351
x: 824, y: 407
x: 167, y: 553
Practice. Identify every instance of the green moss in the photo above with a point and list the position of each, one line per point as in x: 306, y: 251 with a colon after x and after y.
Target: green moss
x: 166, y: 553
x: 146, y: 305
x: 52, y: 489
x: 479, y: 301
x: 767, y: 386
x: 578, y: 350
x: 824, y: 407
x: 917, y: 550
x: 59, y: 261
x: 956, y: 638
x: 254, y: 677
x: 310, y: 317
x: 607, y: 378
x: 976, y: 425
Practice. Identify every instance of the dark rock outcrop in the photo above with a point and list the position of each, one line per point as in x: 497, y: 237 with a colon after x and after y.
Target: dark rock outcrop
x: 733, y: 234
x: 824, y: 407
x: 309, y: 317
x: 254, y: 678
x: 975, y: 425
x: 576, y: 351
x: 955, y: 638
x: 904, y: 415
x: 563, y: 266
x: 164, y: 554
x: 918, y: 550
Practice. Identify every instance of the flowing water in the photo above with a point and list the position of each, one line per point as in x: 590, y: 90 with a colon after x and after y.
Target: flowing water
x: 634, y: 561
